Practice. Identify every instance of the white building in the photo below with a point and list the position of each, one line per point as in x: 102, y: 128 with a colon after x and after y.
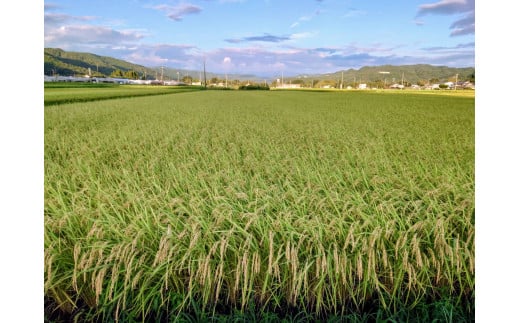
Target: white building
x: 288, y: 86
x: 397, y: 86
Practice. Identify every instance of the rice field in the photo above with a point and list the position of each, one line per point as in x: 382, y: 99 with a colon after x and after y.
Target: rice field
x: 62, y: 92
x: 261, y: 206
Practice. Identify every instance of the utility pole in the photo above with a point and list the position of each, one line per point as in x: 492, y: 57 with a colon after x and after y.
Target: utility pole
x: 205, y: 72
x: 162, y: 73
x: 384, y: 72
x: 341, y: 86
x: 456, y: 80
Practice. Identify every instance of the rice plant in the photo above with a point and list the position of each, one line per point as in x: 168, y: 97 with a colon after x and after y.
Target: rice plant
x: 297, y: 204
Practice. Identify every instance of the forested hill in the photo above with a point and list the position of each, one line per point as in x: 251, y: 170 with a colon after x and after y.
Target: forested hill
x: 60, y: 62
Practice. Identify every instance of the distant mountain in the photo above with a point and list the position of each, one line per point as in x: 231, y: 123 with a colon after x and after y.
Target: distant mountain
x: 60, y: 62
x: 395, y: 74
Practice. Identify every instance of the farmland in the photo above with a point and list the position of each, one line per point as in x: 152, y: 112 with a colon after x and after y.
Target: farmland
x: 60, y: 93
x: 307, y: 205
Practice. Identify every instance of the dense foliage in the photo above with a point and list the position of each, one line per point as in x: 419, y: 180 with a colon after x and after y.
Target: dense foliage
x: 254, y: 87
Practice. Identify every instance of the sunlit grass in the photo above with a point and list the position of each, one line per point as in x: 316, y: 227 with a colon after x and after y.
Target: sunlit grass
x: 212, y: 201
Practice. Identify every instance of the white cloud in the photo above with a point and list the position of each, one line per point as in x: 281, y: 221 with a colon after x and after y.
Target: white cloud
x: 172, y: 55
x: 87, y: 34
x: 69, y: 32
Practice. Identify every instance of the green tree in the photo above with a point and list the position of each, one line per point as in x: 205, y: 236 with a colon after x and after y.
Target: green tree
x: 187, y: 79
x: 132, y: 75
x: 471, y: 78
x: 116, y: 73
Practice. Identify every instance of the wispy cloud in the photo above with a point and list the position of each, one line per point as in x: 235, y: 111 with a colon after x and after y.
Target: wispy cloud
x: 306, y: 18
x: 463, y: 26
x: 268, y: 38
x: 50, y: 6
x: 446, y: 7
x: 353, y: 12
x: 443, y: 48
x: 53, y: 19
x: 178, y: 12
x: 264, y: 38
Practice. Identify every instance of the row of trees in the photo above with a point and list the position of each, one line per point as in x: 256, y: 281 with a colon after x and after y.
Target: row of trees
x: 131, y: 75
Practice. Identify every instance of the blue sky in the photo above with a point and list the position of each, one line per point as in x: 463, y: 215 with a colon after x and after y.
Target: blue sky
x: 267, y: 37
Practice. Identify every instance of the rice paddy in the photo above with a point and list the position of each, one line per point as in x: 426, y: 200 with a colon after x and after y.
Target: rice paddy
x: 261, y: 205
